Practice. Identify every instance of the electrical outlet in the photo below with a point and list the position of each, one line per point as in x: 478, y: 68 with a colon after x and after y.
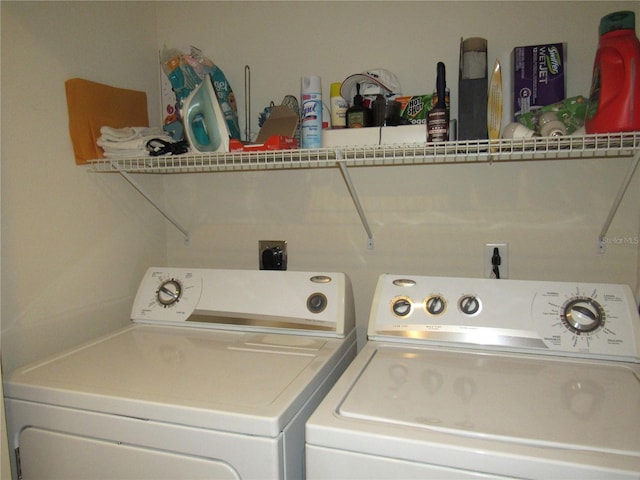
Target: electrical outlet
x: 272, y: 254
x: 489, y: 253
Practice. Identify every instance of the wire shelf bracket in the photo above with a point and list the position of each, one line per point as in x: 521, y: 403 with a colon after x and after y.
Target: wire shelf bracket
x: 146, y: 195
x: 354, y: 197
x: 602, y: 238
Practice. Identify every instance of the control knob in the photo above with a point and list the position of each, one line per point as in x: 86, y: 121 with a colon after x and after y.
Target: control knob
x: 435, y: 305
x: 169, y: 292
x: 401, y: 306
x: 469, y: 304
x: 317, y: 302
x: 582, y: 315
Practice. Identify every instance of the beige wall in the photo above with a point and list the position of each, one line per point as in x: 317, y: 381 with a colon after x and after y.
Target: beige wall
x: 5, y: 468
x: 74, y: 244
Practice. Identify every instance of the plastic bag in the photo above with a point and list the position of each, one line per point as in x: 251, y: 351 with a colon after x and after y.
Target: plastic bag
x: 187, y: 71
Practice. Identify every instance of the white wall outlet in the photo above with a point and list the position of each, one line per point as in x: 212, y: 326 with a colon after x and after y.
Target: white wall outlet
x: 496, y: 271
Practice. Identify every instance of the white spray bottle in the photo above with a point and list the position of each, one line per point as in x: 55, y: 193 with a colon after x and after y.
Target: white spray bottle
x: 311, y: 113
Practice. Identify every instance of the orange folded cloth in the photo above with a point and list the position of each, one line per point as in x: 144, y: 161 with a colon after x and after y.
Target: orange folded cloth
x: 94, y: 105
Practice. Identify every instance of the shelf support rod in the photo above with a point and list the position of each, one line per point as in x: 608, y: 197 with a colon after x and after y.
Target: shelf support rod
x: 617, y: 201
x: 354, y: 197
x: 143, y: 192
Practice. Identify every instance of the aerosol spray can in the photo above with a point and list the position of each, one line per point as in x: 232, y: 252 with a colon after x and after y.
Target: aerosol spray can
x: 438, y: 117
x: 311, y: 113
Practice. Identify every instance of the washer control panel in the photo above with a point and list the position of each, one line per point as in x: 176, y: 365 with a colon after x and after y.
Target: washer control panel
x: 576, y: 319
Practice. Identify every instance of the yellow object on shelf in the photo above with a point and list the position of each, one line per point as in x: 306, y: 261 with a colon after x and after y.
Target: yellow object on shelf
x: 494, y: 103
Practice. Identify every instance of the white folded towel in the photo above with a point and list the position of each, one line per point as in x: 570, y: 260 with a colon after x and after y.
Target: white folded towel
x: 126, y: 153
x: 129, y: 141
x: 128, y: 133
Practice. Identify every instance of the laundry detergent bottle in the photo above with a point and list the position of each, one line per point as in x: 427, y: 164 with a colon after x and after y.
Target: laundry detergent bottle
x: 614, y: 101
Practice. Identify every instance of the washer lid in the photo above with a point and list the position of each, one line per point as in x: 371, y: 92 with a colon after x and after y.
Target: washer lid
x: 240, y: 382
x: 526, y: 400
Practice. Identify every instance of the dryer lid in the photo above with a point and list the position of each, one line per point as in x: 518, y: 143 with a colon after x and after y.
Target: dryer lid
x: 250, y: 383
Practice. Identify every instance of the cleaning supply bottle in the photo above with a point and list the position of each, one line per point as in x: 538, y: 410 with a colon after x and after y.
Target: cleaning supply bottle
x: 311, y: 93
x: 614, y: 102
x: 338, y: 107
x: 359, y: 116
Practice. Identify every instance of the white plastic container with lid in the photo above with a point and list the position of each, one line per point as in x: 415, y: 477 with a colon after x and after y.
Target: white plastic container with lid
x: 311, y: 113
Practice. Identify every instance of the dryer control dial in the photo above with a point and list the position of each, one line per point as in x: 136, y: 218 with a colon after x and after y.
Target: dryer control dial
x: 582, y: 315
x: 317, y: 302
x: 167, y: 295
x: 169, y: 292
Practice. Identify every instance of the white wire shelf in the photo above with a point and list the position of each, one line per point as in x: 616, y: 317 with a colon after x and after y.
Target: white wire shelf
x: 476, y: 151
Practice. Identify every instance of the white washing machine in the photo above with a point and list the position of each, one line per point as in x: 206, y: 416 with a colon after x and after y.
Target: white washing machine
x: 474, y: 378
x: 214, y: 378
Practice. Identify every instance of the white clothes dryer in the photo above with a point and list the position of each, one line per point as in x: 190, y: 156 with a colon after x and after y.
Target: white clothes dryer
x: 214, y: 378
x: 475, y: 378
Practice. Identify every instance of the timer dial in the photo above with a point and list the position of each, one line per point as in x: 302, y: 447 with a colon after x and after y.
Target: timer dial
x: 167, y: 295
x: 582, y: 315
x: 169, y: 292
x: 586, y: 319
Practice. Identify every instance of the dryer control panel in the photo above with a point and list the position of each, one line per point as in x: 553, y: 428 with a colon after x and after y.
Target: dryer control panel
x: 314, y: 302
x: 576, y: 319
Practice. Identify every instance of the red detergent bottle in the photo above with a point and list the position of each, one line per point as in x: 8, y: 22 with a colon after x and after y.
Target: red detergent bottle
x: 614, y: 101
